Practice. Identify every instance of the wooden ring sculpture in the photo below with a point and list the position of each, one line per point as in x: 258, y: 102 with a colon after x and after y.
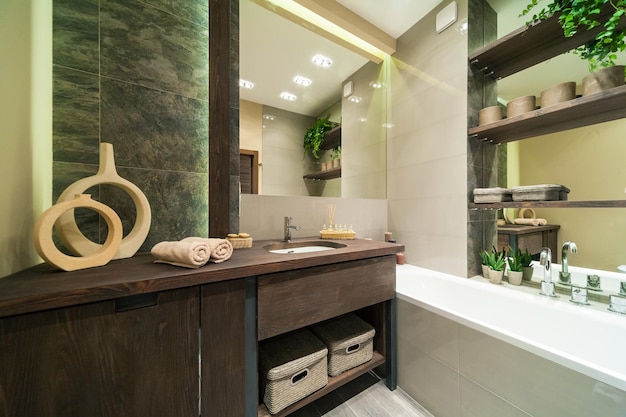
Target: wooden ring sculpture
x: 50, y: 253
x: 69, y: 233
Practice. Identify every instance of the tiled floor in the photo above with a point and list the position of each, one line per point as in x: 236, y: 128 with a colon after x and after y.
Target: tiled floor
x: 366, y: 396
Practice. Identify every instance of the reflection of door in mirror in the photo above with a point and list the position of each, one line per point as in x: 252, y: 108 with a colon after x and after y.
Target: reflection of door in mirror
x: 249, y: 171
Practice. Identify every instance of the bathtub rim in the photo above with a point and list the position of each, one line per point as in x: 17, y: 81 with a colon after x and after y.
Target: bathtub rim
x: 559, y: 356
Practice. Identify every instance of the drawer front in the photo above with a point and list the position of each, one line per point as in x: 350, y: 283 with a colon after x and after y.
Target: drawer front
x: 533, y: 242
x: 294, y: 299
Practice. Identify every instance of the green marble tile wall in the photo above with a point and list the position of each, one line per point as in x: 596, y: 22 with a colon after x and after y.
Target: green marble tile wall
x: 482, y: 158
x: 134, y: 74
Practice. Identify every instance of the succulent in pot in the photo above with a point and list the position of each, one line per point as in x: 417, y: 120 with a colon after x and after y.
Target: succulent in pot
x: 514, y: 261
x: 527, y: 265
x: 497, y: 264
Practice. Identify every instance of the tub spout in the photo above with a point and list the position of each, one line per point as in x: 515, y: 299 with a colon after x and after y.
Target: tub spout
x: 547, y: 286
x: 564, y: 275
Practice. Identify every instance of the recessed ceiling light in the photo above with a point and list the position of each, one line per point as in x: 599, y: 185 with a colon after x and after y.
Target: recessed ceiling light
x: 246, y: 84
x: 300, y: 80
x: 269, y: 117
x: 362, y: 119
x: 287, y: 96
x: 355, y: 99
x: 376, y: 84
x: 322, y: 61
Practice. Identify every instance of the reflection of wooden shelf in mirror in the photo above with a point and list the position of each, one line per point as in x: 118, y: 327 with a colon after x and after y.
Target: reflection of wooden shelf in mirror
x: 528, y: 46
x: 332, y: 139
x: 329, y: 174
x: 583, y: 111
x: 551, y: 204
x: 333, y: 383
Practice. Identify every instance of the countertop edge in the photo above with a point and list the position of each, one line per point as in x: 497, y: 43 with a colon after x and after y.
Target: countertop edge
x: 43, y: 287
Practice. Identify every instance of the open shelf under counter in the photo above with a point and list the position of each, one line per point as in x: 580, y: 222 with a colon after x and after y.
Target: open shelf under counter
x: 329, y: 174
x: 333, y: 383
x: 551, y: 204
x: 582, y: 111
x: 530, y: 45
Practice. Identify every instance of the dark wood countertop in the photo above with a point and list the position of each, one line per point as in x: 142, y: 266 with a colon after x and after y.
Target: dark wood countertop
x: 45, y: 287
x: 521, y: 229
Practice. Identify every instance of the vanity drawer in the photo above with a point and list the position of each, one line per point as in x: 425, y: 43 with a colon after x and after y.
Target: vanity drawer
x: 295, y: 299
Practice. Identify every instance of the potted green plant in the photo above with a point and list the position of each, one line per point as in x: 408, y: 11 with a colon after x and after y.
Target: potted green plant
x: 484, y: 262
x: 527, y: 265
x: 601, y: 52
x: 497, y: 264
x: 314, y: 136
x: 335, y: 156
x: 514, y: 260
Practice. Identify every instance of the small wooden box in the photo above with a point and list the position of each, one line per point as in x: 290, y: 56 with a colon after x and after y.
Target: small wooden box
x: 292, y: 366
x: 349, y: 340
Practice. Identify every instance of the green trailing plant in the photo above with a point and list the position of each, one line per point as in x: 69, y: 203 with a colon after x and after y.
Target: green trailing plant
x: 514, y: 260
x: 579, y: 15
x: 314, y: 136
x: 526, y: 259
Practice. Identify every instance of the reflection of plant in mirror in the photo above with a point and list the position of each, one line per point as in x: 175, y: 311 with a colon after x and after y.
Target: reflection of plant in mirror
x: 514, y: 259
x: 314, y: 136
x: 581, y: 15
x: 335, y: 153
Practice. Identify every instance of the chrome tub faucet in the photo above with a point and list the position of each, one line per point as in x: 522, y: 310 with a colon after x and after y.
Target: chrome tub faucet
x: 547, y: 286
x: 564, y: 275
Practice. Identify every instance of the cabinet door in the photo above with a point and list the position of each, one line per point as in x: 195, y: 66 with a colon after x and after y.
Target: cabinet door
x: 98, y: 360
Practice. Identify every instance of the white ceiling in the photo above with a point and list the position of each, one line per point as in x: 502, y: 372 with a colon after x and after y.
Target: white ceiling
x: 273, y: 50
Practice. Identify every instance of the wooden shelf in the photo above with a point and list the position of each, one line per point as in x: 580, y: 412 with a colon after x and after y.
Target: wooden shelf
x: 329, y: 174
x: 551, y: 204
x: 333, y: 384
x: 530, y: 45
x: 583, y: 111
x: 332, y: 139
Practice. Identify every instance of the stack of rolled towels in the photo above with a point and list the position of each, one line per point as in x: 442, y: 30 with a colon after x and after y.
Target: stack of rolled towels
x: 192, y: 252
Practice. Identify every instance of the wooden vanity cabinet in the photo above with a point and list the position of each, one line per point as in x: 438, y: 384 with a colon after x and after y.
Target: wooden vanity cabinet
x: 135, y: 356
x: 295, y: 299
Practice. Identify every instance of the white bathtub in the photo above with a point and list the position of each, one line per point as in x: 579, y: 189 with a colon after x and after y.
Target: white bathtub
x: 587, y: 339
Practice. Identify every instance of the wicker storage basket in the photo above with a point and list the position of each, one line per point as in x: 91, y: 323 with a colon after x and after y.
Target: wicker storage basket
x: 292, y: 366
x: 240, y: 242
x: 349, y: 340
x: 492, y: 195
x: 541, y: 192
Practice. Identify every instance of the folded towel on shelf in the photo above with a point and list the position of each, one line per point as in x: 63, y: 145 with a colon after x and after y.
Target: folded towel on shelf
x: 531, y: 222
x: 221, y: 249
x: 189, y: 254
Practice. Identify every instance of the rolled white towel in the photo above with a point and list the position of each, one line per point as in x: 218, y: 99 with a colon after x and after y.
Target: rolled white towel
x: 221, y: 249
x: 190, y: 254
x: 531, y: 222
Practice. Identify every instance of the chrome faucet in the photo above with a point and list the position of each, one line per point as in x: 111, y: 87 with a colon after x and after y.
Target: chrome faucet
x: 564, y: 275
x: 547, y: 286
x: 288, y: 227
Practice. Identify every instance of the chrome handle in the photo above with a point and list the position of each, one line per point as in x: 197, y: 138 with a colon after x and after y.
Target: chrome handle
x: 579, y: 295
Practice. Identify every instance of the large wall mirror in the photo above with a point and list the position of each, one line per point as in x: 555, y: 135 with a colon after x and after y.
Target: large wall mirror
x: 351, y: 91
x: 587, y: 160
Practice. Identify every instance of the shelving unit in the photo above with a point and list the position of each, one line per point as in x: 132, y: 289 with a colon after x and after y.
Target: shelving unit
x: 333, y: 384
x: 583, y: 111
x: 329, y: 174
x: 522, y: 49
x: 331, y: 141
x: 530, y: 45
x: 551, y: 204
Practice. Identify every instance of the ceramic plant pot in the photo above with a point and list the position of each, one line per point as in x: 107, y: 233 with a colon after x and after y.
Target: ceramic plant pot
x: 527, y: 273
x: 495, y: 277
x: 603, y: 79
x: 520, y: 105
x: 515, y: 277
x: 489, y: 115
x: 485, y: 269
x: 558, y: 94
